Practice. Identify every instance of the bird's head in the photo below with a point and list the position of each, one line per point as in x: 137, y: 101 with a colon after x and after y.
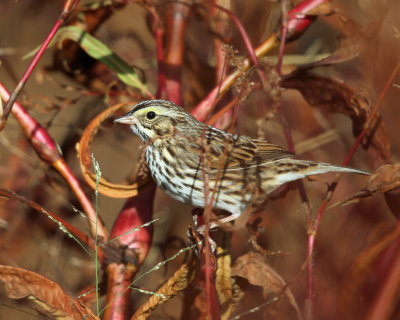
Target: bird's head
x: 157, y: 118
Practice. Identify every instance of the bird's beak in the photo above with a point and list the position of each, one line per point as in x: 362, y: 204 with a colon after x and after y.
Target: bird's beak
x: 126, y: 119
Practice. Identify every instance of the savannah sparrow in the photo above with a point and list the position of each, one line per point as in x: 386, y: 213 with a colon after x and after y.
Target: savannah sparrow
x: 181, y: 151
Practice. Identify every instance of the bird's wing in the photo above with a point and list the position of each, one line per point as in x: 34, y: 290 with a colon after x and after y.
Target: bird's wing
x: 243, y: 152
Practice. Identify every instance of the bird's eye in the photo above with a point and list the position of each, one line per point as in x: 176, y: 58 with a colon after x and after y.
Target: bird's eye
x: 150, y: 115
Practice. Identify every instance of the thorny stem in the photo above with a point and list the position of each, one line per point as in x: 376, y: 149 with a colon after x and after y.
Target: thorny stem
x: 67, y: 9
x: 315, y: 227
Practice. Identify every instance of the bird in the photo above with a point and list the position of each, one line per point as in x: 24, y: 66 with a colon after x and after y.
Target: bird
x: 187, y: 157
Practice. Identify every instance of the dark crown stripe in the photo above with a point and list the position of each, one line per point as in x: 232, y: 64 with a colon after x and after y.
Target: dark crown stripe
x: 141, y: 105
x: 148, y: 103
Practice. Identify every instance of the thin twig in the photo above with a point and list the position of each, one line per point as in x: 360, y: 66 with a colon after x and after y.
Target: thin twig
x: 67, y: 9
x: 315, y: 226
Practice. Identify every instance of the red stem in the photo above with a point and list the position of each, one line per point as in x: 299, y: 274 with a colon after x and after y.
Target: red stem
x: 86, y: 204
x: 158, y: 31
x: 118, y: 297
x: 72, y: 229
x: 47, y: 150
x: 299, y: 20
x: 246, y: 39
x: 201, y: 111
x: 68, y: 6
x: 382, y: 307
x: 283, y: 37
x: 283, y: 120
x: 315, y: 227
x: 176, y: 16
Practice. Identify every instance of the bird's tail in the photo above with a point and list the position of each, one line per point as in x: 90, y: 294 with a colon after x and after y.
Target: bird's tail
x: 292, y: 169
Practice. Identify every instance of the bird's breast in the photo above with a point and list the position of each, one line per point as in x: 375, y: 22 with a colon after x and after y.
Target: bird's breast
x: 181, y: 177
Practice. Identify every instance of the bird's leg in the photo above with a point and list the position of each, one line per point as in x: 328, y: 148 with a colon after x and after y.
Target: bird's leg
x: 193, y: 238
x: 218, y: 223
x: 196, y: 214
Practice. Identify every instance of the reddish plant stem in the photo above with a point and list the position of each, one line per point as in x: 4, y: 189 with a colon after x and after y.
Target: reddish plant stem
x: 72, y: 229
x: 202, y: 110
x: 68, y: 7
x: 315, y: 226
x: 158, y: 34
x: 221, y: 70
x: 382, y: 307
x: 223, y: 28
x: 47, y: 150
x: 86, y: 204
x: 284, y: 29
x: 246, y: 39
x: 282, y: 117
x: 161, y: 88
x: 211, y: 293
x: 118, y: 298
x: 176, y: 19
x: 137, y: 211
x: 299, y: 20
x: 225, y: 109
x: 208, y: 273
x: 131, y: 248
x: 211, y: 297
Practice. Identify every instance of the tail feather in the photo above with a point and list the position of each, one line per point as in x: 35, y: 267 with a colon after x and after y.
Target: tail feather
x: 293, y: 169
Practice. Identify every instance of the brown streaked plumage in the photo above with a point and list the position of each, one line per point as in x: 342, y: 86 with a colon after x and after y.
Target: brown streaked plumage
x: 240, y: 170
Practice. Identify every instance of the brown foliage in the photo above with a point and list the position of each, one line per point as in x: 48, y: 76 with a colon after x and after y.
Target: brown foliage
x: 208, y: 56
x: 49, y: 298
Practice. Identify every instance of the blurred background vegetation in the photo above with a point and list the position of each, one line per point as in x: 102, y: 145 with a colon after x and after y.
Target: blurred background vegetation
x: 64, y: 100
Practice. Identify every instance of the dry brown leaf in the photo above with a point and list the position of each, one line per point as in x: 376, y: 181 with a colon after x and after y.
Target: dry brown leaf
x: 385, y: 179
x: 178, y: 282
x: 347, y: 49
x: 47, y: 294
x: 223, y: 283
x: 253, y: 267
x: 84, y: 151
x: 333, y: 95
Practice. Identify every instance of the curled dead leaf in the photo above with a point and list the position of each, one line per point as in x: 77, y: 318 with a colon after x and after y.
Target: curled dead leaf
x: 333, y: 95
x: 84, y: 151
x: 48, y: 296
x: 385, y: 179
x: 223, y: 283
x: 253, y: 267
x: 178, y: 282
